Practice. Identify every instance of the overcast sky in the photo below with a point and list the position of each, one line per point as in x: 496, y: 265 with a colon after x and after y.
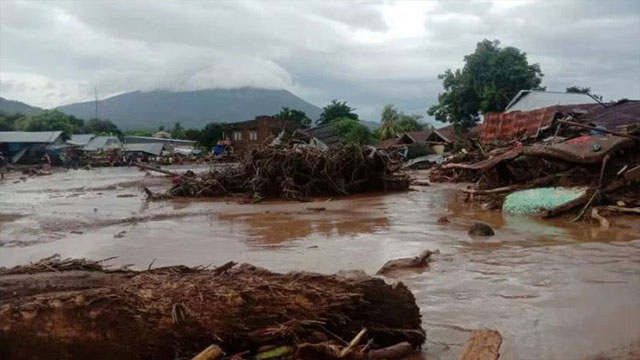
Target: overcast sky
x: 368, y: 53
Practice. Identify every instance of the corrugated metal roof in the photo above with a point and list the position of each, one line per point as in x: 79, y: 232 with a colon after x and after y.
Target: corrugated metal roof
x: 616, y: 116
x: 149, y: 148
x: 528, y: 100
x: 419, y: 136
x: 47, y: 137
x: 148, y: 139
x: 326, y: 134
x: 80, y: 139
x: 102, y: 142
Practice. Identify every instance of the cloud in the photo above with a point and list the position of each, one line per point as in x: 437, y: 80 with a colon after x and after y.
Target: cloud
x: 367, y: 52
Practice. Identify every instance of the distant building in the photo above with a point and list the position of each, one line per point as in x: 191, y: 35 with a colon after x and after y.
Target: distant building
x: 144, y: 149
x: 80, y: 139
x: 261, y: 130
x: 529, y: 100
x: 101, y: 143
x: 28, y: 146
x: 148, y: 139
x: 162, y: 135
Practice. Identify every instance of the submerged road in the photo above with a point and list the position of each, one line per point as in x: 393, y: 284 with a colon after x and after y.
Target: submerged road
x: 555, y: 290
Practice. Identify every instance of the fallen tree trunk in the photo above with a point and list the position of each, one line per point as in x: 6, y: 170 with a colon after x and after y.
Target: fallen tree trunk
x: 48, y: 312
x: 483, y: 344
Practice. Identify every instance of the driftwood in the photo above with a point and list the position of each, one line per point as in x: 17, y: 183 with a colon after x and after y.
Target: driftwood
x: 66, y: 311
x: 270, y: 172
x: 584, y: 126
x: 417, y: 262
x: 483, y: 344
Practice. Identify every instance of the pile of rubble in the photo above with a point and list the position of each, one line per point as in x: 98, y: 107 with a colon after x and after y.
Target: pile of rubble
x: 570, y: 164
x: 296, y: 173
x: 75, y: 309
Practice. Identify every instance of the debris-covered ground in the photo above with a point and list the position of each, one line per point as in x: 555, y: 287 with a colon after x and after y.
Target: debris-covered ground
x: 541, y: 283
x: 569, y: 167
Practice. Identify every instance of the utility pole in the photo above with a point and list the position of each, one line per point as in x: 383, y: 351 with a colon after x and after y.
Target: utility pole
x: 96, y: 102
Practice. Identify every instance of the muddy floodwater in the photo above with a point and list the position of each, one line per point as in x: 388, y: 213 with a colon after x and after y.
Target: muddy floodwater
x: 554, y: 289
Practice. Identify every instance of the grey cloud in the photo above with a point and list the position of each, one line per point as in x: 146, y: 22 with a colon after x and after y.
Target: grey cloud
x: 314, y: 49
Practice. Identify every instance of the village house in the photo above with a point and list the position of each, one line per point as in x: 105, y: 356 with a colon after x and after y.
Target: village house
x: 246, y: 134
x: 28, y: 146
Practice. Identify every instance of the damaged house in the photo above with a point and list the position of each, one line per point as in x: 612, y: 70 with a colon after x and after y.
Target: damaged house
x: 245, y: 135
x: 28, y: 147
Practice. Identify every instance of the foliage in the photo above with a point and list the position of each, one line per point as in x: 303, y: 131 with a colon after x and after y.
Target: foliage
x: 139, y: 133
x: 210, y: 135
x: 8, y: 121
x: 491, y: 76
x: 101, y: 127
x: 178, y: 131
x: 336, y: 110
x: 352, y: 131
x: 51, y: 120
x: 294, y: 115
x: 394, y: 122
x: 583, y: 90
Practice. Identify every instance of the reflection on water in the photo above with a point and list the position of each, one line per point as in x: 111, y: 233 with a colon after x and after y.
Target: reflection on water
x: 554, y: 289
x: 278, y: 228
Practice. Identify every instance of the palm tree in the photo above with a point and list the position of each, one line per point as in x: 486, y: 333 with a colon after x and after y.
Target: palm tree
x: 388, y: 120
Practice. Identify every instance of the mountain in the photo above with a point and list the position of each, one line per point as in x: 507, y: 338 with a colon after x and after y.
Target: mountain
x: 11, y: 107
x: 193, y: 109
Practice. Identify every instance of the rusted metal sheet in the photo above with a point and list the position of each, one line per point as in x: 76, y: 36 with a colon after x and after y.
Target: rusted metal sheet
x: 616, y: 117
x: 515, y: 124
x: 588, y: 149
x: 487, y: 163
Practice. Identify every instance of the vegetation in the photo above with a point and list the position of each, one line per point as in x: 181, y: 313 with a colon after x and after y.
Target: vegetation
x: 583, y: 90
x: 54, y: 120
x: 490, y: 77
x: 101, y: 127
x: 394, y: 122
x: 178, y: 131
x: 294, y: 115
x: 336, y: 110
x: 8, y: 121
x: 352, y: 131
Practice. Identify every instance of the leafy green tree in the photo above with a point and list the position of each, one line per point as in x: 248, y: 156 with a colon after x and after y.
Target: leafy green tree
x: 336, y: 110
x: 295, y: 116
x: 583, y: 90
x: 8, y: 121
x: 161, y: 128
x: 139, y: 133
x: 210, y: 135
x: 101, y: 127
x: 193, y: 134
x: 352, y: 131
x: 52, y: 120
x: 410, y: 122
x: 178, y: 131
x: 490, y: 77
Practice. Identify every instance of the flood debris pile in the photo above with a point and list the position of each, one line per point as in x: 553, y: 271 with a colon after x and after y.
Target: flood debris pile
x: 78, y: 309
x: 297, y: 173
x: 568, y: 164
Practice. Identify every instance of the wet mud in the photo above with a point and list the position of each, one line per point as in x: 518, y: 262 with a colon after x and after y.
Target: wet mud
x: 554, y: 289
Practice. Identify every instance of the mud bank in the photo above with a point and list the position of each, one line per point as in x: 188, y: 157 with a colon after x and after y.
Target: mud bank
x: 554, y: 289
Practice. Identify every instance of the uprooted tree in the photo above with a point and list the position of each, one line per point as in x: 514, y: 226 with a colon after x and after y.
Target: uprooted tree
x: 76, y: 309
x: 491, y: 76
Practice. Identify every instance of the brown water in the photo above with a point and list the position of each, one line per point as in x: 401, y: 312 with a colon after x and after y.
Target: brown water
x: 554, y: 289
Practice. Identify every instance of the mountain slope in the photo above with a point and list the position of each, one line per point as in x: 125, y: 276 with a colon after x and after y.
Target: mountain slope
x: 11, y: 107
x: 194, y: 109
